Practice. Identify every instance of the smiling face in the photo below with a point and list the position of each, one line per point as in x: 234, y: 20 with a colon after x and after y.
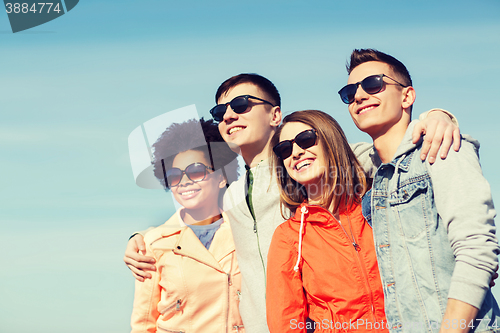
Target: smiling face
x: 387, y: 110
x: 306, y: 166
x: 251, y: 130
x: 202, y: 195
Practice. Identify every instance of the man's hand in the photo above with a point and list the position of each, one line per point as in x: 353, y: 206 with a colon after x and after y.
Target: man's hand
x: 494, y: 277
x: 138, y: 263
x: 440, y: 132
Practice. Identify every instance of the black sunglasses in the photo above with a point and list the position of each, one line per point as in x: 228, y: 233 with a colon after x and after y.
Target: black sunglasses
x: 371, y: 84
x: 196, y: 172
x: 239, y: 105
x: 304, y: 140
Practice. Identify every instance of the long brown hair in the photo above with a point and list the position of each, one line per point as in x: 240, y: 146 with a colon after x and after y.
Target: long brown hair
x: 345, y: 180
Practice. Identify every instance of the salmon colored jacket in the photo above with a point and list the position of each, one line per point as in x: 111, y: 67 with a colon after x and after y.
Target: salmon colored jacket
x: 193, y: 289
x: 329, y: 274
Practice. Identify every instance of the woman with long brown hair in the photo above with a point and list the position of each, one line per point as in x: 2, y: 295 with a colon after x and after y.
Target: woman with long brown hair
x: 321, y: 263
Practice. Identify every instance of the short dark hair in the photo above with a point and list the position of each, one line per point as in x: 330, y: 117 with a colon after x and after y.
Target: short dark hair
x: 360, y: 56
x: 264, y: 84
x: 181, y: 137
x: 345, y: 179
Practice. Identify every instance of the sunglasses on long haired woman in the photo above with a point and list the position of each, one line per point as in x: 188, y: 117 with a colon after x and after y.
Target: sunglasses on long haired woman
x: 371, y: 85
x: 304, y: 140
x: 196, y: 172
x: 239, y: 105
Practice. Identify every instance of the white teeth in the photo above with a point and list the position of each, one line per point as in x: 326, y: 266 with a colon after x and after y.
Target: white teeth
x: 302, y: 164
x: 235, y: 129
x: 366, y: 109
x: 188, y: 192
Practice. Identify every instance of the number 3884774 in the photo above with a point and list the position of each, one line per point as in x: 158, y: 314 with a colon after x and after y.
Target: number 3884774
x: 35, y: 8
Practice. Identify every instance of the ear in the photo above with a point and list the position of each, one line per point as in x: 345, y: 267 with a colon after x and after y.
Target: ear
x: 408, y: 97
x: 275, y: 116
x: 222, y: 182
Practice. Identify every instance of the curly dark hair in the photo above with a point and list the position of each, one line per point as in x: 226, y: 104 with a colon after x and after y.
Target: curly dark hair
x: 181, y: 137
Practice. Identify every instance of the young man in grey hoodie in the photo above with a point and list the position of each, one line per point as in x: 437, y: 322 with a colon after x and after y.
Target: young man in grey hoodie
x: 433, y: 224
x: 249, y: 111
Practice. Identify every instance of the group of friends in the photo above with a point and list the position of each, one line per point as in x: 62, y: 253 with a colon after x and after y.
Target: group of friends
x: 319, y: 235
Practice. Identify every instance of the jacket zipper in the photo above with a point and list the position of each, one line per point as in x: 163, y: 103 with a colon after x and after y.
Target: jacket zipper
x: 252, y: 213
x: 356, y: 249
x: 260, y: 252
x: 229, y: 283
x: 237, y: 328
x: 367, y: 285
x: 177, y: 305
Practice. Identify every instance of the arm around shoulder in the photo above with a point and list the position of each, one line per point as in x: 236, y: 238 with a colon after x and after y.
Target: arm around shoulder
x: 441, y: 132
x: 146, y: 299
x: 134, y: 257
x: 424, y: 115
x: 142, y: 233
x: 464, y: 203
x: 365, y: 153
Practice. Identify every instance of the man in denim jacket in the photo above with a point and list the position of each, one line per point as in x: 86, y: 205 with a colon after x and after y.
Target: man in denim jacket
x: 432, y: 223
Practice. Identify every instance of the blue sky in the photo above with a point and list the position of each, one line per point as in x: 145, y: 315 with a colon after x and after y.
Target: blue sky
x: 72, y: 90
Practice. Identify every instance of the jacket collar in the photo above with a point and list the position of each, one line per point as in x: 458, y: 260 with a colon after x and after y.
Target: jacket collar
x: 189, y: 245
x: 405, y: 151
x: 321, y: 215
x: 406, y: 144
x: 173, y: 225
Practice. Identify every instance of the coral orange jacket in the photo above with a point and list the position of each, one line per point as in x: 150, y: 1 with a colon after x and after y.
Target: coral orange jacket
x: 330, y: 276
x: 193, y: 289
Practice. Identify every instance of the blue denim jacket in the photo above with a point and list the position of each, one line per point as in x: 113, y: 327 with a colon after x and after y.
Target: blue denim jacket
x: 428, y: 247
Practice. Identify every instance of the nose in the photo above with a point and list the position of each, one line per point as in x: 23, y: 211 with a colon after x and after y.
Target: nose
x: 185, y: 180
x: 361, y: 94
x: 229, y: 114
x: 297, y: 151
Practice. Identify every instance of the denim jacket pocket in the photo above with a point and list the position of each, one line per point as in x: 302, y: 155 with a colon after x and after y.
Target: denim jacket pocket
x: 410, y: 204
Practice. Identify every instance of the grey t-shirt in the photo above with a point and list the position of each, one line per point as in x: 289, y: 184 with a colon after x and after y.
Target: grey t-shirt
x: 205, y: 233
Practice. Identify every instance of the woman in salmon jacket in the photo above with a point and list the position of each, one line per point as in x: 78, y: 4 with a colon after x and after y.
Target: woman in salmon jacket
x: 196, y: 285
x: 322, y: 271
